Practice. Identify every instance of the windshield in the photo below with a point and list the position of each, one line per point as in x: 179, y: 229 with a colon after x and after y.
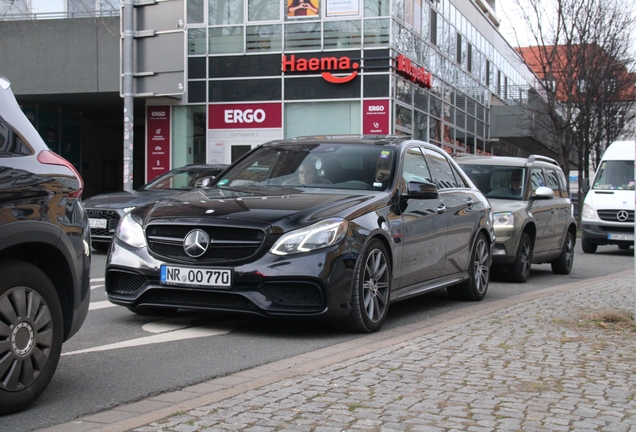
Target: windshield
x: 496, y: 181
x: 329, y: 166
x: 615, y: 175
x: 181, y: 179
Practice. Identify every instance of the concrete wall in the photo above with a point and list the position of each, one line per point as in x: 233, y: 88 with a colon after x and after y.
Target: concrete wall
x: 79, y: 55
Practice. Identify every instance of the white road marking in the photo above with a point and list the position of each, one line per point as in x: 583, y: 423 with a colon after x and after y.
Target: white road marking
x: 166, y: 333
x: 100, y: 305
x: 96, y: 286
x: 98, y: 279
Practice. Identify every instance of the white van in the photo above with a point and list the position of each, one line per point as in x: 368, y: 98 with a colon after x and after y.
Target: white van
x: 608, y: 209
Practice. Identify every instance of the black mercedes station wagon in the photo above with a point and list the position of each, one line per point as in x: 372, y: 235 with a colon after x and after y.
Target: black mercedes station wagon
x: 334, y: 227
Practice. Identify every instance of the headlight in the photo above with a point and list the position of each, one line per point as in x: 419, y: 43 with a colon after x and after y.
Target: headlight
x: 128, y: 209
x: 504, y: 220
x: 588, y: 212
x: 317, y: 236
x: 130, y: 232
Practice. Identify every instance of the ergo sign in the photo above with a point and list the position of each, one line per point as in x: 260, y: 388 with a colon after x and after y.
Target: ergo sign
x: 245, y: 116
x: 417, y: 74
x: 326, y: 65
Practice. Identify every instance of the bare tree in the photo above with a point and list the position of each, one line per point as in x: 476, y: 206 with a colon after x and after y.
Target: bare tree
x: 581, y: 52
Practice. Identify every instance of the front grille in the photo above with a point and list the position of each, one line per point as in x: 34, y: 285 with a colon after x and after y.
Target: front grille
x: 612, y: 215
x: 112, y: 218
x: 613, y: 229
x: 199, y: 299
x: 298, y: 294
x: 119, y: 282
x: 228, y: 244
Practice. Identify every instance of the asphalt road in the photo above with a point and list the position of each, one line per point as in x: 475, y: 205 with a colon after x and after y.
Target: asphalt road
x: 119, y: 357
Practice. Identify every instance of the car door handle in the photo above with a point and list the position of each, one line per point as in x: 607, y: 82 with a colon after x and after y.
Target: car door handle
x: 470, y: 202
x: 441, y: 208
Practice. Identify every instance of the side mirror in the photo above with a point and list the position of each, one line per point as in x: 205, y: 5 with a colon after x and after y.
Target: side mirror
x: 203, y: 182
x: 585, y: 185
x: 543, y: 193
x: 417, y: 190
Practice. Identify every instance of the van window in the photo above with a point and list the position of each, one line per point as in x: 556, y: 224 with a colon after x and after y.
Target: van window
x: 615, y: 175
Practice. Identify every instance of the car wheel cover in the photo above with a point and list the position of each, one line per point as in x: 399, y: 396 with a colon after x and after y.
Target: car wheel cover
x: 27, y: 325
x: 481, y: 267
x: 569, y: 251
x: 375, y: 286
x: 525, y: 257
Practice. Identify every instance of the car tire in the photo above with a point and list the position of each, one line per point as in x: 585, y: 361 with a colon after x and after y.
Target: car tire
x: 588, y: 247
x: 31, y: 322
x: 474, y: 289
x: 152, y: 310
x: 371, y: 290
x: 100, y: 247
x: 519, y: 271
x: 563, y: 264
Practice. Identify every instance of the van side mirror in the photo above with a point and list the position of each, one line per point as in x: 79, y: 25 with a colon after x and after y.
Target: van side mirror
x: 421, y: 190
x: 585, y: 185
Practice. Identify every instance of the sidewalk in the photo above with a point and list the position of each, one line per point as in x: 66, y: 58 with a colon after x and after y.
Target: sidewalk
x: 536, y: 361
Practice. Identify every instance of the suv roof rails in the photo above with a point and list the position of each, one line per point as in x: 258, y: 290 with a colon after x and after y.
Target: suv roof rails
x: 539, y: 158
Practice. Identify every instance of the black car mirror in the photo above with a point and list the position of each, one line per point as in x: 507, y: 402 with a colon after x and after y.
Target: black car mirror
x: 585, y: 185
x: 421, y: 190
x: 543, y: 192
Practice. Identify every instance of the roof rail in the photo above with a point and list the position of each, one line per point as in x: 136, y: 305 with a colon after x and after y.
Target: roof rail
x: 540, y: 158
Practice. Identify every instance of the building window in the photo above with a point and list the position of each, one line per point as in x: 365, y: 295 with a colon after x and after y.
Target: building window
x: 458, y: 54
x: 377, y: 32
x: 343, y: 34
x: 197, y: 41
x: 224, y: 12
x: 302, y: 36
x: 263, y: 10
x: 225, y: 40
x: 320, y: 118
x: 264, y: 38
x: 377, y: 8
x: 194, y: 11
x: 433, y: 27
x: 469, y: 55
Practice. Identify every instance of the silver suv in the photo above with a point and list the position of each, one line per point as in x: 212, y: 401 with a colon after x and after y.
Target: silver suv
x: 533, y: 217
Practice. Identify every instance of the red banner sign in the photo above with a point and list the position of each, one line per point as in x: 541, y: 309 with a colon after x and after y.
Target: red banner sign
x: 158, y: 144
x: 245, y: 116
x: 417, y: 74
x: 375, y: 117
x: 326, y: 65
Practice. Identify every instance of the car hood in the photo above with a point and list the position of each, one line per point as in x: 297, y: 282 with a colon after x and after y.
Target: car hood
x: 282, y: 208
x: 120, y: 200
x: 501, y: 205
x: 610, y: 199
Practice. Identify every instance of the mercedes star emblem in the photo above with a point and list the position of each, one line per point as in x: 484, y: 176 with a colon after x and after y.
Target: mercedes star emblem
x: 622, y: 215
x: 196, y: 243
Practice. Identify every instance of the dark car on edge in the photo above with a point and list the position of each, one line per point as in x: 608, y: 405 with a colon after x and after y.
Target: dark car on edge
x: 44, y: 257
x: 105, y: 210
x: 381, y: 219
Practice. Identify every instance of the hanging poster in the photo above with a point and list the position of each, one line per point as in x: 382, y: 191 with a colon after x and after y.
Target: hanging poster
x: 303, y: 8
x: 342, y: 7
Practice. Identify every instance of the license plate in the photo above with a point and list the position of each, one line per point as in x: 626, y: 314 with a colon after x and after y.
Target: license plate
x: 206, y: 277
x: 97, y: 223
x: 629, y: 237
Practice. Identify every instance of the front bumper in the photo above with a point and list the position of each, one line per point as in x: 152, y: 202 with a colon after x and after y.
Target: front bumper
x: 505, y: 247
x: 607, y: 234
x: 317, y: 284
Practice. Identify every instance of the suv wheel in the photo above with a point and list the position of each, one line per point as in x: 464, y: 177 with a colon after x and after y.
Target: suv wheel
x: 563, y: 264
x: 588, y: 247
x: 32, y: 326
x: 520, y: 270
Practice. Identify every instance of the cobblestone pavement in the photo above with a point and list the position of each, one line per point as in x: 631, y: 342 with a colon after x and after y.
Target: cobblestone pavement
x: 535, y: 366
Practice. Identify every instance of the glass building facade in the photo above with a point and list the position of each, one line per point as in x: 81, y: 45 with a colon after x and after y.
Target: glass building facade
x: 262, y: 51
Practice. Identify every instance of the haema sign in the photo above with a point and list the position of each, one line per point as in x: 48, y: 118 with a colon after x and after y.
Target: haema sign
x: 245, y: 116
x: 326, y: 65
x: 158, y: 141
x: 375, y: 117
x: 415, y: 73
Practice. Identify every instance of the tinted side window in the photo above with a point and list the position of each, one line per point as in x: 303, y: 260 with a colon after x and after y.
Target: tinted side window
x: 537, y: 179
x: 10, y: 142
x: 552, y: 181
x: 415, y: 167
x: 441, y: 170
x: 459, y: 180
